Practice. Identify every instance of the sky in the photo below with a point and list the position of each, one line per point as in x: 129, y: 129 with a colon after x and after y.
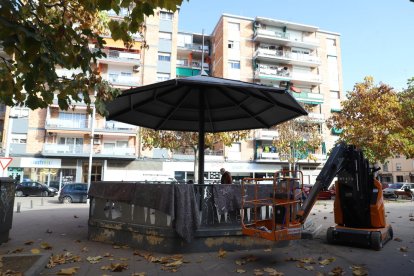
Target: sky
x: 377, y: 37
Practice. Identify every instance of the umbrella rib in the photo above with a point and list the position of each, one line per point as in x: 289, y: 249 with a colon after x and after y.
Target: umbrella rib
x: 182, y: 99
x: 260, y: 121
x: 209, y: 113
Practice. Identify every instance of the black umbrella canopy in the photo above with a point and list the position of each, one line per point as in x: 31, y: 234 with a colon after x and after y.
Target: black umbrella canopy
x: 228, y: 105
x: 204, y: 104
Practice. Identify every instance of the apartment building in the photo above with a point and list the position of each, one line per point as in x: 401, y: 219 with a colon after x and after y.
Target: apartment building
x: 51, y: 144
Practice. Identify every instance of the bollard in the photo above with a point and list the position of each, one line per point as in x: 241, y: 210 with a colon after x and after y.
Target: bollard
x: 31, y: 204
x: 18, y: 207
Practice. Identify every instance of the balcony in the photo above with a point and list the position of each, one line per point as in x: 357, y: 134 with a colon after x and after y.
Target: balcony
x: 115, y: 79
x: 185, y: 69
x: 84, y: 150
x: 65, y: 150
x: 287, y: 57
x: 114, y: 127
x: 285, y: 39
x: 273, y: 73
x: 193, y: 47
x: 264, y: 134
x: 209, y: 155
x: 309, y: 98
x: 66, y: 124
x: 116, y: 152
x: 120, y: 57
x: 314, y: 117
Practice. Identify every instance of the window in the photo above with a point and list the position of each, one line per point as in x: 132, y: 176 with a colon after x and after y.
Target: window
x: 398, y: 166
x: 385, y: 167
x: 334, y: 94
x: 164, y: 57
x: 234, y: 64
x: 166, y: 15
x: 19, y: 112
x: 163, y: 76
x: 18, y: 138
x: 164, y: 35
x: 330, y: 42
x: 234, y: 27
x: 400, y: 178
x: 233, y: 44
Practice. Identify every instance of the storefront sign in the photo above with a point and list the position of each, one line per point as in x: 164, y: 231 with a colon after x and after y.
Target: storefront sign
x: 40, y: 163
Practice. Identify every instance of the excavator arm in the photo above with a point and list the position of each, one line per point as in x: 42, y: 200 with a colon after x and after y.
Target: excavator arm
x: 331, y: 168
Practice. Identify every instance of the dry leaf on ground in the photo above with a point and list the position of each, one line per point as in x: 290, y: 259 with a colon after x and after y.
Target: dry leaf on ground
x: 358, y: 270
x: 68, y: 271
x: 94, y: 260
x: 222, y: 253
x: 327, y: 261
x: 404, y: 249
x: 45, y: 246
x: 239, y: 270
x: 28, y: 242
x: 35, y: 251
x: 397, y: 239
x: 337, y: 271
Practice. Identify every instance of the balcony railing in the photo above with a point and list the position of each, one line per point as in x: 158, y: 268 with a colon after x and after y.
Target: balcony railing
x: 194, y: 64
x: 117, y: 151
x: 112, y: 126
x: 123, y: 80
x: 292, y: 57
x: 264, y: 134
x: 284, y: 38
x: 67, y: 123
x: 309, y: 98
x: 77, y: 150
x: 194, y: 47
x: 121, y: 56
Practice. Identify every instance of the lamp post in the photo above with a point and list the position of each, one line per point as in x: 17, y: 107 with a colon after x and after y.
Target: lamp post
x: 91, y: 146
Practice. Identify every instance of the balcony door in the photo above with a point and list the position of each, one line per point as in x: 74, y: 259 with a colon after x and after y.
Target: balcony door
x: 72, y: 120
x: 71, y: 144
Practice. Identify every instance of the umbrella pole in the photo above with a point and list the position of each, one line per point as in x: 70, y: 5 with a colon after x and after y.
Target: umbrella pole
x: 201, y: 142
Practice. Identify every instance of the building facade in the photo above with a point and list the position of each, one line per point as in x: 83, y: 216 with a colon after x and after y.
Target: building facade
x: 51, y: 144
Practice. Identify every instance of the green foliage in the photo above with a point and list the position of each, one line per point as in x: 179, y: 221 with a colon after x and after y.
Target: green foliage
x: 378, y: 120
x: 297, y: 139
x: 40, y: 36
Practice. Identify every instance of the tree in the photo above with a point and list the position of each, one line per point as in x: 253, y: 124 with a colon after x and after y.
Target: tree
x: 40, y: 36
x: 297, y: 139
x: 370, y: 119
x: 174, y: 140
x: 407, y: 119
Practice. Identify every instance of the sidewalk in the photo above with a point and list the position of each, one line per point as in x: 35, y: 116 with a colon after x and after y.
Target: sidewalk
x: 64, y: 229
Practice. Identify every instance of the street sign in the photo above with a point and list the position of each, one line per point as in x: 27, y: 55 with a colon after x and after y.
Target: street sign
x: 5, y: 162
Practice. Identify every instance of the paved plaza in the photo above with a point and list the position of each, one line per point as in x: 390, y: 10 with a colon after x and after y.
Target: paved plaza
x: 48, y: 227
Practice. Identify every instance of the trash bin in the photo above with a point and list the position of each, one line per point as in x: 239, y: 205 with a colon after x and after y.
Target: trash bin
x: 7, y: 190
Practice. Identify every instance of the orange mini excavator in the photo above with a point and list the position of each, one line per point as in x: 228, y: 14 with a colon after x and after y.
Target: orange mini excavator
x: 358, y: 206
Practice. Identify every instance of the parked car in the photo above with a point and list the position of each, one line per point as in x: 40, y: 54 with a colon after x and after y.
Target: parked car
x: 389, y: 192
x: 54, y: 184
x: 34, y: 188
x: 324, y: 194
x: 407, y: 190
x: 74, y: 192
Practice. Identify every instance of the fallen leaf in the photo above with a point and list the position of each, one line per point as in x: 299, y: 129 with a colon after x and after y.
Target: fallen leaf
x: 123, y: 259
x: 327, y: 261
x: 337, y: 271
x: 240, y: 262
x: 174, y: 264
x: 107, y: 254
x: 318, y: 273
x: 94, y: 260
x: 404, y: 249
x: 272, y: 271
x: 222, y: 253
x: 17, y: 250
x: 84, y: 249
x: 45, y: 245
x: 239, y: 270
x: 35, y: 251
x: 268, y: 250
x: 358, y: 270
x: 116, y: 247
x: 258, y: 272
x: 68, y: 271
x: 78, y: 241
x: 307, y: 260
x: 119, y: 267
x: 398, y: 240
x: 138, y: 274
x: 28, y: 242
